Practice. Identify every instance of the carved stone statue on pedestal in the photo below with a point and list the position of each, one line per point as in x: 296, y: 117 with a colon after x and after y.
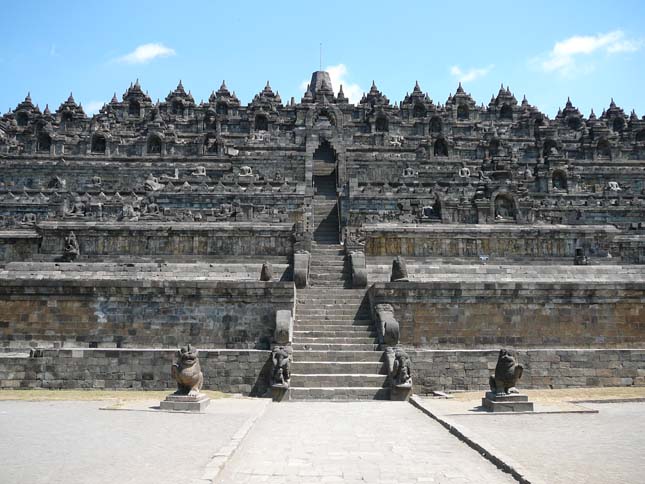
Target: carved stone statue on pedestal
x: 188, y: 374
x: 503, y: 395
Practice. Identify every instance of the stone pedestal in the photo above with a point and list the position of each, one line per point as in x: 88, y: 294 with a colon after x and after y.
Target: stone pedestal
x: 279, y: 392
x: 511, y: 402
x: 185, y: 403
x: 401, y: 393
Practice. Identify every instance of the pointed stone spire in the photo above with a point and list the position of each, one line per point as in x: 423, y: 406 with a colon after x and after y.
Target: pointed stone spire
x: 612, y: 104
x: 569, y: 105
x: 417, y: 88
x: 28, y: 97
x: 592, y: 115
x: 46, y: 112
x: 114, y: 99
x: 460, y: 89
x: 341, y: 94
x: 633, y: 116
x: 70, y: 99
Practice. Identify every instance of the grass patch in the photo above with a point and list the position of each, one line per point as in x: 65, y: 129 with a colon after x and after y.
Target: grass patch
x: 40, y: 395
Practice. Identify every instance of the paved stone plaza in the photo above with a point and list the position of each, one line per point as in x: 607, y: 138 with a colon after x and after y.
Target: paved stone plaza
x: 73, y: 442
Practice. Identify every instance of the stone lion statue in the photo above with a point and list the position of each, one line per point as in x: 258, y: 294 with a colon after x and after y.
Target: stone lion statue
x: 507, y: 373
x: 187, y: 372
x: 281, y: 368
x: 402, y: 368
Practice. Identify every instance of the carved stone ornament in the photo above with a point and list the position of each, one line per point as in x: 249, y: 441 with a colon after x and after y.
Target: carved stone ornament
x: 507, y: 373
x: 187, y: 372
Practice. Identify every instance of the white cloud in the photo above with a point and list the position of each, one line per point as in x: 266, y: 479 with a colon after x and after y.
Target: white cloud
x: 564, y: 56
x: 471, y: 74
x: 338, y: 76
x: 145, y: 53
x: 93, y: 107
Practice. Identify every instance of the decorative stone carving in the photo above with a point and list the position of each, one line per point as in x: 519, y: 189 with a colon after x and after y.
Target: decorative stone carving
x: 401, y: 369
x: 387, y: 327
x: 507, y: 373
x: 152, y: 184
x: 71, y: 249
x: 246, y: 171
x: 188, y: 374
x: 399, y: 270
x: 266, y: 274
x: 359, y: 269
x: 281, y: 367
x: 503, y: 395
x: 199, y: 171
x: 301, y: 269
x: 78, y: 208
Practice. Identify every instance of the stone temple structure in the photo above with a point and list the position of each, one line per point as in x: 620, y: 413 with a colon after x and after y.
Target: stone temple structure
x: 265, y: 235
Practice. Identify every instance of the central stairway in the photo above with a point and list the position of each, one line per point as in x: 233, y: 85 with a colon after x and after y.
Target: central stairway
x: 335, y: 353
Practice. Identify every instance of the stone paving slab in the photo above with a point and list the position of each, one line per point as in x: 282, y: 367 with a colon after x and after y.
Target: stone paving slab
x: 351, y: 442
x: 558, y: 448
x: 73, y: 442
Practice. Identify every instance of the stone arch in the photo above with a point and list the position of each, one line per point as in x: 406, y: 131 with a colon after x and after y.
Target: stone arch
x: 493, y: 147
x: 574, y: 123
x: 177, y: 108
x: 549, y: 144
x: 99, y: 143
x: 506, y: 112
x: 44, y: 142
x: 221, y: 108
x: 504, y: 207
x: 640, y: 136
x: 22, y: 119
x: 603, y: 148
x: 324, y: 159
x: 154, y: 145
x: 559, y: 180
x: 381, y: 124
x: 618, y: 125
x: 261, y: 123
x: 440, y: 147
x: 436, y: 126
x: 325, y: 118
x: 419, y: 111
x: 134, y: 109
x: 463, y: 112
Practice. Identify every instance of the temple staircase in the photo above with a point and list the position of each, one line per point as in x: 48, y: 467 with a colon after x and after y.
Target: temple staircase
x: 335, y: 353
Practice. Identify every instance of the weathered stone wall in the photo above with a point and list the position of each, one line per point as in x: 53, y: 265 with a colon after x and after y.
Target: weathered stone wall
x: 142, y: 309
x: 541, y: 313
x: 548, y: 368
x: 147, y: 239
x: 18, y: 245
x: 232, y: 371
x: 498, y: 241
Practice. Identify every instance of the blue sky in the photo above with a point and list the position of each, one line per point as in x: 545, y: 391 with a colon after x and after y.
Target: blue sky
x: 548, y: 50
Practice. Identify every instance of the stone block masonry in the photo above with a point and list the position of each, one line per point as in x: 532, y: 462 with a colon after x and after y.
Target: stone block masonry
x: 543, y: 368
x: 477, y: 313
x: 140, y: 309
x: 230, y: 371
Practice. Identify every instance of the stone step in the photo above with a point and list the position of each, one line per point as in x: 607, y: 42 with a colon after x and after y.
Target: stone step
x: 335, y: 355
x: 328, y: 304
x: 334, y: 347
x: 322, y: 324
x: 325, y: 367
x: 342, y: 393
x: 326, y: 380
x: 306, y: 340
x: 337, y: 311
x: 361, y: 331
x: 334, y: 293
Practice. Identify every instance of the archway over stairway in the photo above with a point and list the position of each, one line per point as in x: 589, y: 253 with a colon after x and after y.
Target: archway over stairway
x: 325, y: 207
